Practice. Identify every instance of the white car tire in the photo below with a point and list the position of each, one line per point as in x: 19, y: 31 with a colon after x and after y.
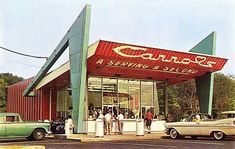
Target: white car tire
x: 218, y: 135
x: 174, y: 134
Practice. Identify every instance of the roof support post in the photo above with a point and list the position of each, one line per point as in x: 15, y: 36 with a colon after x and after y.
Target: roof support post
x: 204, y: 84
x: 78, y: 44
x: 77, y: 39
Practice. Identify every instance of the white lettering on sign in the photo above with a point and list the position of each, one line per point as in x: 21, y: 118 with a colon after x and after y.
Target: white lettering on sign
x: 200, y: 60
x: 100, y: 61
x: 168, y: 69
x: 127, y: 64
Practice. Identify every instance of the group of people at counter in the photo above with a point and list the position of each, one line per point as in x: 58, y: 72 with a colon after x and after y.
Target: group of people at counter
x: 108, y: 119
x: 65, y: 125
x: 127, y: 113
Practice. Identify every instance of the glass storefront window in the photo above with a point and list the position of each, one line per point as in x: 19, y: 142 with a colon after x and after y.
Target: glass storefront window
x: 160, y: 100
x: 146, y: 97
x: 123, y: 97
x: 155, y: 100
x: 134, y: 91
x: 110, y: 91
x: 123, y: 93
x: 64, y: 103
x: 131, y: 97
x: 94, y: 96
x: 147, y: 93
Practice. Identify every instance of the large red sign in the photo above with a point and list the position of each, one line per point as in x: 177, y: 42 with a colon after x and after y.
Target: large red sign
x: 131, y: 61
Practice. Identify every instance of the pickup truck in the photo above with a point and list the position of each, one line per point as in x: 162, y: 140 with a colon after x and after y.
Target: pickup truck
x: 12, y: 126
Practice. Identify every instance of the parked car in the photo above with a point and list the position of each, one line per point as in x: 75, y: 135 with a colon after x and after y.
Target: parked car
x: 11, y: 126
x: 204, y: 126
x: 228, y: 114
x: 203, y: 117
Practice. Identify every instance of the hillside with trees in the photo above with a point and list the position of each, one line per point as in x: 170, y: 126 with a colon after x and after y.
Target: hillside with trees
x: 6, y: 79
x: 183, y: 98
x: 224, y: 93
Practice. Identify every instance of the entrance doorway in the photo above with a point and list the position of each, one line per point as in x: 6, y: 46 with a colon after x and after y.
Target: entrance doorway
x: 112, y: 108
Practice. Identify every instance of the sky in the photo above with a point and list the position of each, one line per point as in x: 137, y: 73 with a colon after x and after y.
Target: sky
x: 36, y: 27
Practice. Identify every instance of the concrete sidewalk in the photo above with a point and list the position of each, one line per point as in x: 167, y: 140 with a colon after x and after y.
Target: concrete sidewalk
x: 112, y: 137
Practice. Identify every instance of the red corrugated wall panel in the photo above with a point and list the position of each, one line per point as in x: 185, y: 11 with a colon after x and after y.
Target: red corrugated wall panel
x: 31, y: 108
x: 53, y: 104
x: 45, y: 104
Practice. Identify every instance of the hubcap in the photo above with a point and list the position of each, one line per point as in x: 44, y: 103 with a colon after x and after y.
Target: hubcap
x: 39, y: 135
x: 218, y: 135
x: 173, y: 133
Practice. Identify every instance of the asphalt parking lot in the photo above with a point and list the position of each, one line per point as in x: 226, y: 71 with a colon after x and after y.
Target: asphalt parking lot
x: 162, y: 143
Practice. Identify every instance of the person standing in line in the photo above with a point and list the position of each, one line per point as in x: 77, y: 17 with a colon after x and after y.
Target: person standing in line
x: 149, y: 118
x: 69, y: 125
x: 101, y: 117
x: 108, y: 122
x: 120, y: 118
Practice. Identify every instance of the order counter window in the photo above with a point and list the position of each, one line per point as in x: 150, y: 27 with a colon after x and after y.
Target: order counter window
x: 131, y: 97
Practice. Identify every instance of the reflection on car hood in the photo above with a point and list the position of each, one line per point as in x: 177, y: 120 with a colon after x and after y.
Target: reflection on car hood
x: 228, y: 121
x: 37, y: 123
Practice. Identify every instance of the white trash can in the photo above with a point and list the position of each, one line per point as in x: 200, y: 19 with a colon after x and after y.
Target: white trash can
x: 140, y: 127
x: 99, y: 128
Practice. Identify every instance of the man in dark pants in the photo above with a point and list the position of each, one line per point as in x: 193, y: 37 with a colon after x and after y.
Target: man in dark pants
x: 149, y: 118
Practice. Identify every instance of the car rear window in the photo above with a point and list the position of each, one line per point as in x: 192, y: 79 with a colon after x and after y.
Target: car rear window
x: 12, y: 118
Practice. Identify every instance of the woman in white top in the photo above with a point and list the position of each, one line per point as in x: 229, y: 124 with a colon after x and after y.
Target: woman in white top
x: 101, y: 116
x: 69, y: 125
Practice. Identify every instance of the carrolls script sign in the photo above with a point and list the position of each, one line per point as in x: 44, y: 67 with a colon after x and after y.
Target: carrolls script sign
x: 199, y: 60
x: 188, y: 63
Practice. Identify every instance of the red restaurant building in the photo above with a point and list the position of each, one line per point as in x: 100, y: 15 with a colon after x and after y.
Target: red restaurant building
x: 118, y: 77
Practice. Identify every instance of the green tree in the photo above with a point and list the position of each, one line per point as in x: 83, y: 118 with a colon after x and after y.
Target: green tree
x: 2, y: 95
x: 183, y: 99
x: 6, y: 79
x: 224, y: 93
x: 10, y: 78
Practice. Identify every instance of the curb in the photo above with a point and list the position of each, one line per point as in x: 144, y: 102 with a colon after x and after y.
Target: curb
x: 22, y: 147
x: 60, y: 137
x: 86, y: 139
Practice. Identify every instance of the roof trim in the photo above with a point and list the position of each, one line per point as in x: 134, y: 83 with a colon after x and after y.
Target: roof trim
x: 53, y: 75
